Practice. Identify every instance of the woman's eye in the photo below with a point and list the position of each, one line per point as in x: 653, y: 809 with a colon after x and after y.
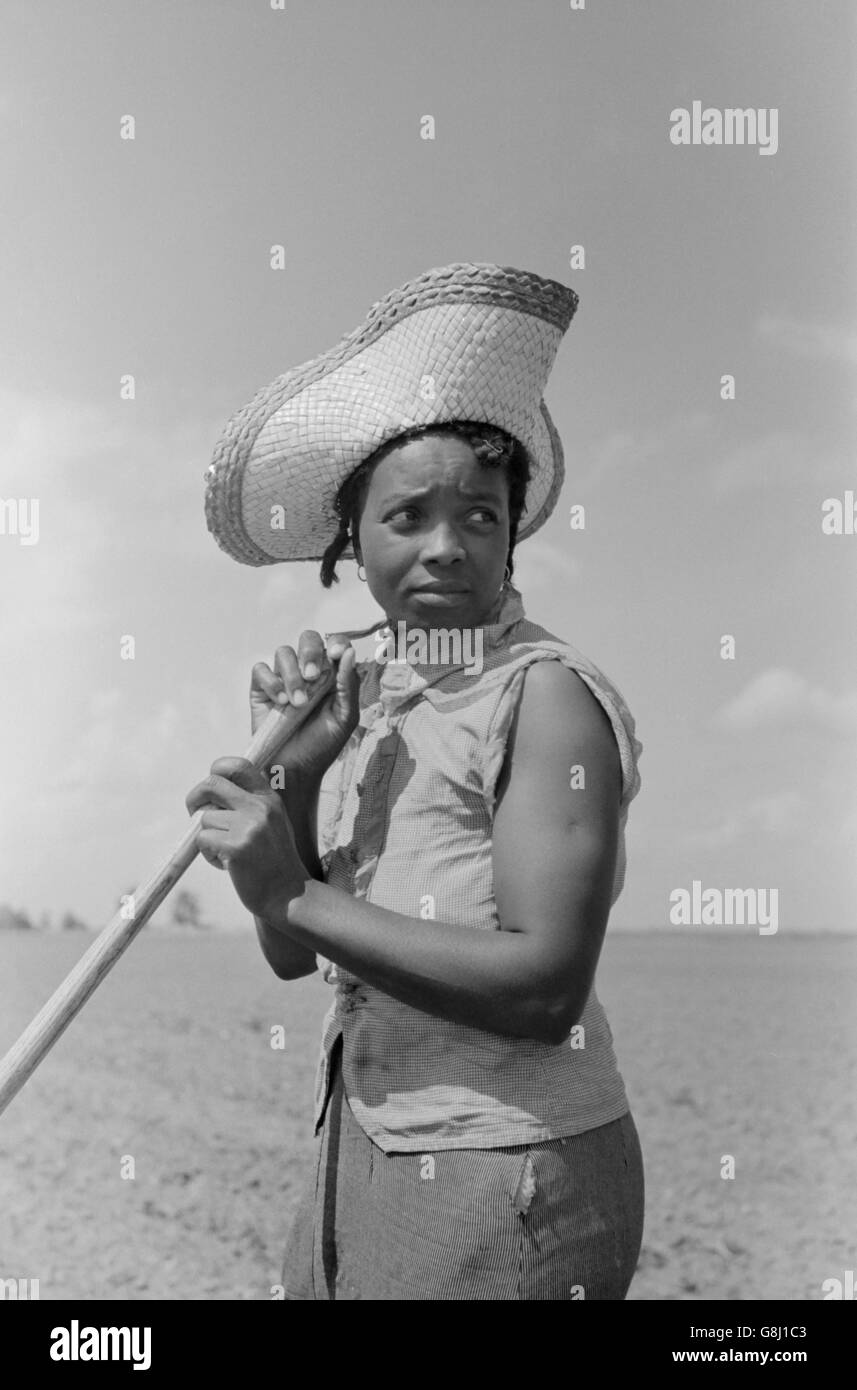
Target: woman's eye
x: 404, y: 512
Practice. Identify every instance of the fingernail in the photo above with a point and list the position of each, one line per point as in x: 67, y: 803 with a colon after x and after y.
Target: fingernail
x: 310, y: 670
x: 283, y: 697
x: 299, y: 697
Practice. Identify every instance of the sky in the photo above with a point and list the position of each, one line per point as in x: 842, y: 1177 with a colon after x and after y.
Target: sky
x: 300, y: 126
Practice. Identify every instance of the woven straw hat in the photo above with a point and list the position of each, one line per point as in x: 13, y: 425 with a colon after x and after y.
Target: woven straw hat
x: 468, y: 341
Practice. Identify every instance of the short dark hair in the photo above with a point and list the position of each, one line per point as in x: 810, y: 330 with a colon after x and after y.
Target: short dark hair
x: 493, y: 447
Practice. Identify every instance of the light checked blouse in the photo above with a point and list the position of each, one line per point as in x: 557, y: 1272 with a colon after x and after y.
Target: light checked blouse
x: 405, y: 821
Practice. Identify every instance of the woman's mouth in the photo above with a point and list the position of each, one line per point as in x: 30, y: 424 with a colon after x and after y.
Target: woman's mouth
x: 440, y: 595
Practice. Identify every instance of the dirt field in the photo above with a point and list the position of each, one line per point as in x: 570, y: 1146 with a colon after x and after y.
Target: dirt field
x: 744, y: 1046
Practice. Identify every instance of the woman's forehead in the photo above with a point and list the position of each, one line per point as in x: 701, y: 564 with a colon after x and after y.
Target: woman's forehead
x: 435, y: 462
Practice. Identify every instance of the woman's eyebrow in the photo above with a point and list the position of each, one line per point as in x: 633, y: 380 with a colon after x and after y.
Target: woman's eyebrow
x: 479, y: 495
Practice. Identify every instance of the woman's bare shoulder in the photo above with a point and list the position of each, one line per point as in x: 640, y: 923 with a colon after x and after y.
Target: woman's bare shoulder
x: 557, y: 719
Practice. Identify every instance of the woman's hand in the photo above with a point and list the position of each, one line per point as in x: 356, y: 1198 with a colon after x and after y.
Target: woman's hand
x: 246, y: 830
x: 318, y: 742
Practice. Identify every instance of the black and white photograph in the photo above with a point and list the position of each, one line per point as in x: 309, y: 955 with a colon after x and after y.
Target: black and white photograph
x: 428, y: 597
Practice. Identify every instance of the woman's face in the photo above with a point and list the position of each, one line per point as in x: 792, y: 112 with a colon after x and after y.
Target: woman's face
x: 434, y: 516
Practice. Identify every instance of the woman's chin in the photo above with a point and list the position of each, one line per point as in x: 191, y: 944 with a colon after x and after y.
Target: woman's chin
x: 440, y: 610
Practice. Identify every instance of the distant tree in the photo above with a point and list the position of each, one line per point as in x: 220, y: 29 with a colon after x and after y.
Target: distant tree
x: 72, y: 923
x: 186, y: 910
x: 12, y: 920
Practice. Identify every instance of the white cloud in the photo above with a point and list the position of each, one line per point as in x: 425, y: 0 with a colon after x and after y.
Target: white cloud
x: 348, y: 604
x: 773, y: 460
x: 827, y: 341
x: 779, y: 815
x: 110, y: 489
x: 114, y: 747
x: 778, y: 697
x: 280, y: 587
x: 846, y: 831
x: 777, y: 459
x: 541, y: 567
x: 625, y: 449
x: 95, y: 463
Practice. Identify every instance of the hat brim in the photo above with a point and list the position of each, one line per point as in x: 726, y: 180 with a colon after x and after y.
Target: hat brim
x: 464, y: 344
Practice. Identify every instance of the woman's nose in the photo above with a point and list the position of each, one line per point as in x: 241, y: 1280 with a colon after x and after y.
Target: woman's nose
x: 444, y: 544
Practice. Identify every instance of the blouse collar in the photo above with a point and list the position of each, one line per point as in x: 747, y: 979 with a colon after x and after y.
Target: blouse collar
x: 401, y: 681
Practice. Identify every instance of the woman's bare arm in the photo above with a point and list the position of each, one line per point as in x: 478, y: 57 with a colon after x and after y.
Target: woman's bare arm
x: 554, y: 853
x: 555, y: 845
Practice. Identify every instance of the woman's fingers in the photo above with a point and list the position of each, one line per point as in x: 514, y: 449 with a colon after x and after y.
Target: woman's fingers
x: 263, y: 679
x: 346, y: 682
x: 208, y: 793
x: 230, y: 787
x: 294, y: 673
x: 208, y: 848
x: 297, y: 670
x: 288, y: 670
x: 219, y: 791
x: 209, y: 845
x: 344, y: 703
x: 240, y: 771
x: 311, y: 654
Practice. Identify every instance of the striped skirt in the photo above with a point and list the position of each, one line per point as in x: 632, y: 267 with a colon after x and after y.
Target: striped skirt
x: 558, y: 1220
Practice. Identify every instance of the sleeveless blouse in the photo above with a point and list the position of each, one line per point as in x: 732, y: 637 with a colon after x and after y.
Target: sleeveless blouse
x: 405, y: 821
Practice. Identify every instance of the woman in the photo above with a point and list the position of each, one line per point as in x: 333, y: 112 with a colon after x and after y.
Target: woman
x: 474, y: 1135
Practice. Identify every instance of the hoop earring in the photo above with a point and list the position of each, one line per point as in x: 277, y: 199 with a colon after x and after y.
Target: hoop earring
x: 507, y: 575
x: 359, y: 575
